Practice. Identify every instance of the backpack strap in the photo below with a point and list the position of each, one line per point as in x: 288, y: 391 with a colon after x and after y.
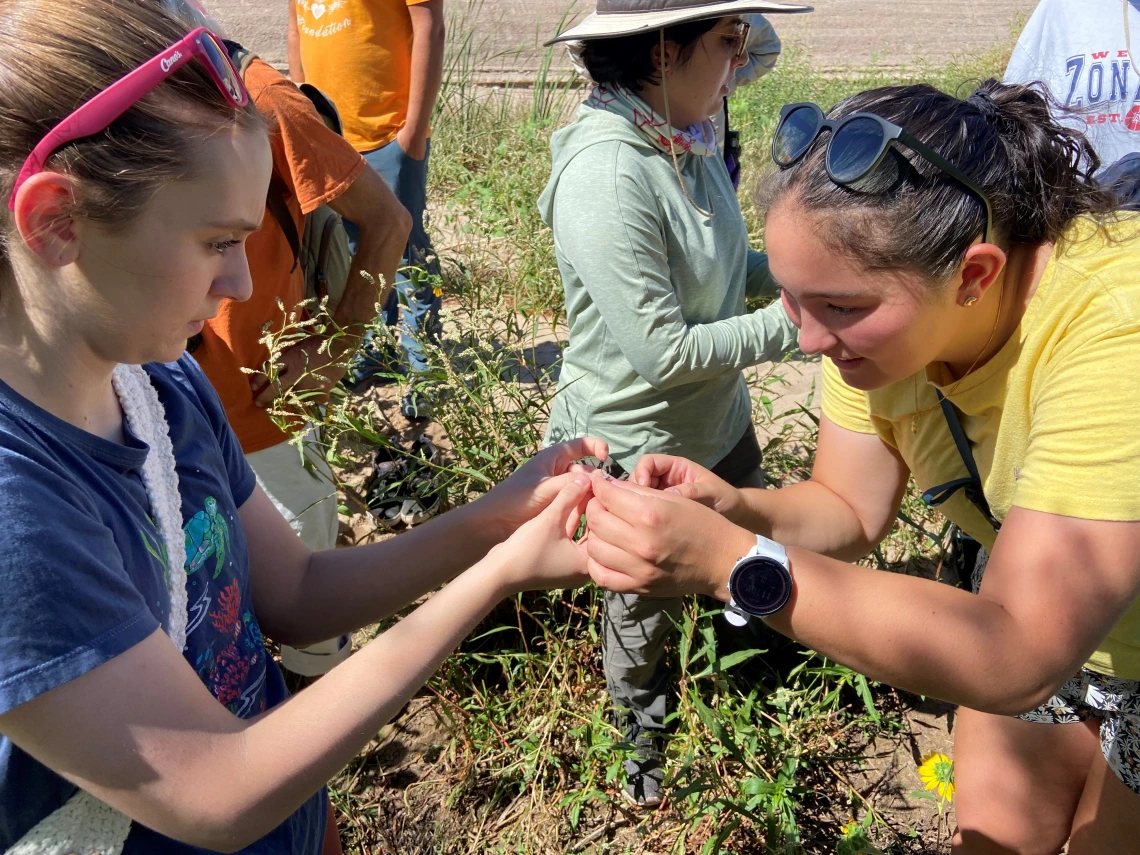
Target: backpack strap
x: 325, y: 107
x: 275, y: 201
x: 323, y: 248
x: 970, y: 485
x: 240, y: 56
x: 732, y: 150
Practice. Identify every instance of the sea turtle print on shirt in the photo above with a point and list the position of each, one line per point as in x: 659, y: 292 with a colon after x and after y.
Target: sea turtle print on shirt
x: 207, y: 534
x: 224, y: 643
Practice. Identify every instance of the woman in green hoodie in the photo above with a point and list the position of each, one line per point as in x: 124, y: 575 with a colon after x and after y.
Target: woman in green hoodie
x: 654, y: 257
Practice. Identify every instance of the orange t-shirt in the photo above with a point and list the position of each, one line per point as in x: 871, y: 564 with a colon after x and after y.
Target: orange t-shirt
x: 359, y: 53
x: 316, y: 165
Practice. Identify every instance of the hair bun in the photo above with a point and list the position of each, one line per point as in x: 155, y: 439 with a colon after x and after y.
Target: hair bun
x: 984, y: 103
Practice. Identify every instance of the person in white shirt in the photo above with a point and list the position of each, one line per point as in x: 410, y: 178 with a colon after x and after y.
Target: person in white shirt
x: 1080, y: 50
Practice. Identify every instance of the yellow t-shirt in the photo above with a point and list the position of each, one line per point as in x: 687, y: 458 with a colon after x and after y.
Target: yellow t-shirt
x: 1051, y: 418
x: 359, y: 53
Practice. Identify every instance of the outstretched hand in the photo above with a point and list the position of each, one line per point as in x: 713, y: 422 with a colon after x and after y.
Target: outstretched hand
x: 533, y: 486
x: 646, y: 541
x: 542, y: 554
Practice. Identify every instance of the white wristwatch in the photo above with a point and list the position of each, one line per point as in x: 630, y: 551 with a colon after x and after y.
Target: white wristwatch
x: 760, y: 583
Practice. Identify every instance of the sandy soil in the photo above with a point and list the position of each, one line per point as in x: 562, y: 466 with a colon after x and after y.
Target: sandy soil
x: 839, y: 34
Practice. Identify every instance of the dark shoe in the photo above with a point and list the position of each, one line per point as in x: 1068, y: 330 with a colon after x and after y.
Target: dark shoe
x: 644, y: 768
x: 414, y: 406
x: 403, y: 488
x: 383, y: 491
x: 372, y: 366
x: 422, y: 509
x: 425, y: 494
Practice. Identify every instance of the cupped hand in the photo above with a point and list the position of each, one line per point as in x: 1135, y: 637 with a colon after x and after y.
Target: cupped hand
x: 689, y: 480
x: 532, y: 486
x: 645, y: 541
x: 542, y: 554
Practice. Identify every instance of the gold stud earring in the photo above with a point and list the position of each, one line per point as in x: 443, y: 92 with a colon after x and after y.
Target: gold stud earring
x: 969, y: 301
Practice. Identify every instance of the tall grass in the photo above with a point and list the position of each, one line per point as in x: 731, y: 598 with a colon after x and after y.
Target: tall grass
x: 509, y: 749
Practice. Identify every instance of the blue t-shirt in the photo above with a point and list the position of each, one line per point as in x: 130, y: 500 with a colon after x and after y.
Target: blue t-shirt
x: 82, y: 575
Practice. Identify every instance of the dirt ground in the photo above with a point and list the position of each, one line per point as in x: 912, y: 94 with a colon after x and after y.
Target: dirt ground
x: 839, y: 34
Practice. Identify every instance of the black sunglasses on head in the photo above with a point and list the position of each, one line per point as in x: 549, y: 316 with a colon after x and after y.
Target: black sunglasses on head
x: 858, y: 144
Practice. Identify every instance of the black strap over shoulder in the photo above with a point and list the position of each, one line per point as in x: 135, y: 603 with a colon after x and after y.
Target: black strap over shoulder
x: 279, y: 208
x: 240, y: 56
x: 732, y: 149
x: 970, y: 485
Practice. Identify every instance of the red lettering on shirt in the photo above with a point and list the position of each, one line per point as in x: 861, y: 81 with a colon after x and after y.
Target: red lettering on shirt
x: 1100, y: 54
x: 1130, y: 120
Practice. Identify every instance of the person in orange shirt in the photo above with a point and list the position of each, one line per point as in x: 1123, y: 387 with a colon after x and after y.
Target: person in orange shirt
x: 381, y: 61
x: 312, y: 166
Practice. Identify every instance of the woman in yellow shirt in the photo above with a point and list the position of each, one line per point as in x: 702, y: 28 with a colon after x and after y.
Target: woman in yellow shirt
x: 956, y: 251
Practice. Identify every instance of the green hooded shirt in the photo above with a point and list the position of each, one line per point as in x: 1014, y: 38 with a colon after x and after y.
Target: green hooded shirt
x: 655, y: 294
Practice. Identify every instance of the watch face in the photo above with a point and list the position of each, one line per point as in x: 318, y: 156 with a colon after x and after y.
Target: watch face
x: 761, y: 586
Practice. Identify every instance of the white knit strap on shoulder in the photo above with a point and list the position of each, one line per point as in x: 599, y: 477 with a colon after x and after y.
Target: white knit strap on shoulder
x: 147, y: 420
x: 85, y: 825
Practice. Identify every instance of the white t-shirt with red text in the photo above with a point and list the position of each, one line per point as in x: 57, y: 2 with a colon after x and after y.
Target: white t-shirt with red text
x: 1078, y: 49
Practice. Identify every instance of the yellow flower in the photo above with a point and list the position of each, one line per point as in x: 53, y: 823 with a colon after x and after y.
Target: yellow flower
x: 437, y: 291
x: 937, y: 773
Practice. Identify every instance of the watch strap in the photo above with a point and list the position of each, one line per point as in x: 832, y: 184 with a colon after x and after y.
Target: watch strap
x: 767, y: 548
x: 735, y: 615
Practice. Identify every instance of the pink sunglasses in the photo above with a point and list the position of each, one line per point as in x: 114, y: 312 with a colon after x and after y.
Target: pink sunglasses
x: 98, y: 113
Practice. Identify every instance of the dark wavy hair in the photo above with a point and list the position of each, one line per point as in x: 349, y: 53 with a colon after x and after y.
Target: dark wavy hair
x: 628, y: 60
x: 912, y: 216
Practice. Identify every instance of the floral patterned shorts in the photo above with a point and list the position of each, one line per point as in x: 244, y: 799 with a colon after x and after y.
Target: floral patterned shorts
x: 1116, y: 703
x: 1089, y: 695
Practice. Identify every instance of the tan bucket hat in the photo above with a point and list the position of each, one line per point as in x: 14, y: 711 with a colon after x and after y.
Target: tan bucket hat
x: 626, y: 17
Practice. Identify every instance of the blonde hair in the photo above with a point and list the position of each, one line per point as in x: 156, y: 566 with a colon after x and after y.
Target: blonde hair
x: 56, y: 54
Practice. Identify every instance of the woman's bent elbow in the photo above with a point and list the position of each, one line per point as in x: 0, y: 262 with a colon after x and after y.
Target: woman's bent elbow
x: 219, y: 818
x: 225, y: 831
x: 1021, y: 697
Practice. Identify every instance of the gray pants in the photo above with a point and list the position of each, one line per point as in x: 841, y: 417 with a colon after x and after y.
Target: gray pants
x: 636, y: 629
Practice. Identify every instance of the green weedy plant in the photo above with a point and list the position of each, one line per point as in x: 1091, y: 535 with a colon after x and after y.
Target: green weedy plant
x: 489, y: 383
